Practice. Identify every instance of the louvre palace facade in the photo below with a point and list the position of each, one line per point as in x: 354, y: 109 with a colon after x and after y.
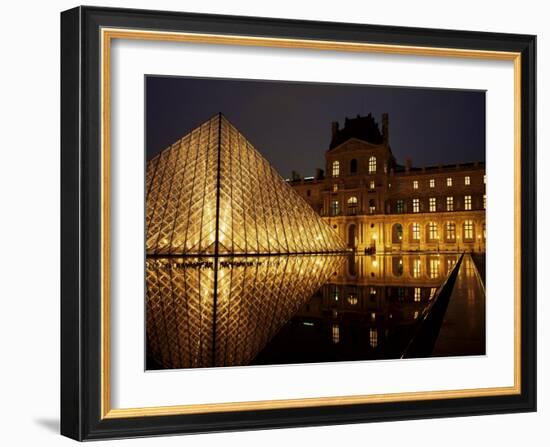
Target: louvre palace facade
x: 378, y: 204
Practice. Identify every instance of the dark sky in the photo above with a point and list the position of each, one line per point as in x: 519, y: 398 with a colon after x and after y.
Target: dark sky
x: 290, y: 122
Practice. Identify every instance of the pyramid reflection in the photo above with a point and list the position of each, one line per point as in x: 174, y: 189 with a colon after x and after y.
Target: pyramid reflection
x: 213, y: 193
x: 207, y: 311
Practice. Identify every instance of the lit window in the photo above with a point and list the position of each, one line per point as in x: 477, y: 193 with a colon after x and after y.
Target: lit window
x: 373, y: 338
x: 416, y: 205
x: 417, y: 293
x: 484, y: 201
x: 400, y: 206
x: 371, y: 184
x: 336, y: 169
x: 335, y: 187
x: 485, y: 179
x: 467, y: 180
x: 415, y: 184
x: 432, y: 204
x: 450, y: 203
x: 372, y: 206
x: 416, y: 268
x: 450, y: 231
x: 432, y: 183
x: 432, y: 231
x: 467, y: 202
x: 449, y: 181
x: 335, y: 334
x: 372, y: 165
x: 416, y: 231
x: 434, y: 268
x: 352, y: 205
x: 468, y: 230
x: 334, y: 208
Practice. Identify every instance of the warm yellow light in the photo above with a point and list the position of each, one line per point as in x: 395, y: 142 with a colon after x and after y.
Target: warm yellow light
x: 247, y: 209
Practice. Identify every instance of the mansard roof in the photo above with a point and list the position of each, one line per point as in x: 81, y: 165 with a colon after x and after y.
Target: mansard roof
x: 361, y: 127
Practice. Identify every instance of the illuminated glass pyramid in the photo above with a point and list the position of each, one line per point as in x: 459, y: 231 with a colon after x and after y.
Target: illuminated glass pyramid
x: 212, y: 192
x: 206, y: 314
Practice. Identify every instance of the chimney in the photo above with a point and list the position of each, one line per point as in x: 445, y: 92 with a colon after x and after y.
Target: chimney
x: 385, y: 128
x: 335, y: 128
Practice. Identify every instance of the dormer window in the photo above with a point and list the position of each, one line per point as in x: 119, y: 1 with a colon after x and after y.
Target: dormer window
x: 372, y: 165
x: 353, y: 166
x: 335, y: 168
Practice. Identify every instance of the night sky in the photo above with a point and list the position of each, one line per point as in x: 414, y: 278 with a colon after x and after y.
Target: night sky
x: 290, y: 122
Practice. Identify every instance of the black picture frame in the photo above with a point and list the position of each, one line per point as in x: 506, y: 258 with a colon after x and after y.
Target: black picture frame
x: 81, y: 210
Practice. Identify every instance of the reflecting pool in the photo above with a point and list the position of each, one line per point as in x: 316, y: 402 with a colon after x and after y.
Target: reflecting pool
x: 261, y: 310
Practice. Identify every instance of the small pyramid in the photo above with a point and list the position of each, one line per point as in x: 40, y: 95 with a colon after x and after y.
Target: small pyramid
x: 212, y: 192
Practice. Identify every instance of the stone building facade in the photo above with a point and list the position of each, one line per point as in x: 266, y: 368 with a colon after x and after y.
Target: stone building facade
x: 377, y: 204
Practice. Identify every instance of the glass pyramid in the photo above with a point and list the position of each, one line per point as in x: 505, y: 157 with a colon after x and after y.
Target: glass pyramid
x: 212, y: 192
x: 215, y: 311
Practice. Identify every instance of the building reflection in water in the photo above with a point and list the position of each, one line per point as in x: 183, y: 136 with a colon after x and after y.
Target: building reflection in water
x: 287, y: 309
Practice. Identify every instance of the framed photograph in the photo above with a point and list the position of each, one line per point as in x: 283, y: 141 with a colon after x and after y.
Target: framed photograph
x: 275, y: 223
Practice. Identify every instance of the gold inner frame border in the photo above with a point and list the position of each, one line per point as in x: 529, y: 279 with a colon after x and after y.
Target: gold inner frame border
x: 107, y: 35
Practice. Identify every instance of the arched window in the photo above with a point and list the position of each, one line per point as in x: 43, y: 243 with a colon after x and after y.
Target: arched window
x: 434, y: 267
x: 373, y: 337
x: 353, y: 166
x: 397, y: 233
x: 352, y: 205
x: 416, y: 267
x: 450, y: 231
x: 432, y: 231
x: 372, y: 165
x: 372, y: 206
x: 334, y: 208
x: 335, y: 168
x: 397, y: 265
x: 468, y: 230
x: 415, y: 232
x: 335, y: 334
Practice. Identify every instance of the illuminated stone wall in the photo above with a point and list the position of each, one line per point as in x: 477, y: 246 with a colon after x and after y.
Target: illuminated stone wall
x: 365, y: 203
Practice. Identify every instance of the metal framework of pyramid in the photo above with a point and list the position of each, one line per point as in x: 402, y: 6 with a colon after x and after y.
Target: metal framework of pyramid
x: 201, y: 316
x: 213, y: 193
